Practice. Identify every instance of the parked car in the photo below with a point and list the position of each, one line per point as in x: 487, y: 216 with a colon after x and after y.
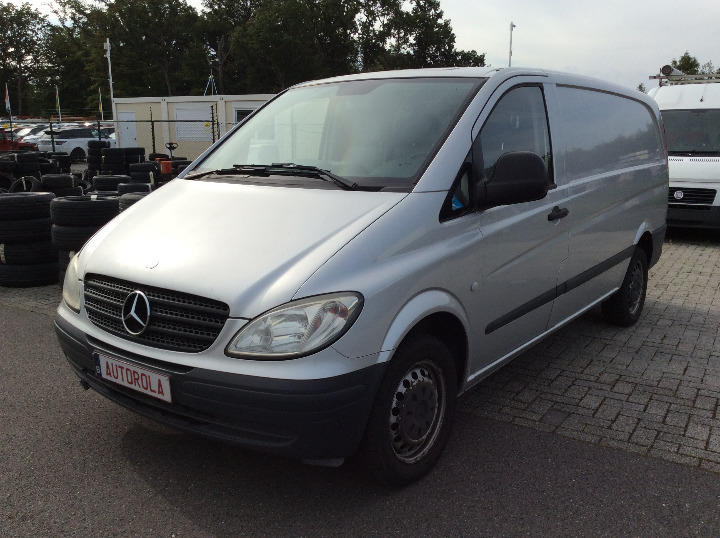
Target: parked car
x: 30, y: 130
x: 690, y: 108
x: 73, y: 141
x: 331, y: 275
x: 9, y: 143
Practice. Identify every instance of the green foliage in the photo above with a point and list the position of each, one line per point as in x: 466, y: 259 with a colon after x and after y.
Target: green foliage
x: 641, y: 88
x: 165, y: 47
x: 687, y: 64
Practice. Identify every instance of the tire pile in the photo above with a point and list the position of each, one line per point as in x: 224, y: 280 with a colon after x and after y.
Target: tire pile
x: 27, y: 256
x: 94, y: 158
x: 31, y: 163
x: 50, y: 213
x: 74, y: 220
x: 117, y: 160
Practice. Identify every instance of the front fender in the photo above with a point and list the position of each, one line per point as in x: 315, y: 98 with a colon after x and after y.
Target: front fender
x: 415, y: 310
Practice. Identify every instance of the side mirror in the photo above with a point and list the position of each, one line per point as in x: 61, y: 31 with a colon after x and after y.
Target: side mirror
x: 519, y: 176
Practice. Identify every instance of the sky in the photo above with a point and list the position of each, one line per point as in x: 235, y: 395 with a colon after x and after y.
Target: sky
x: 623, y: 41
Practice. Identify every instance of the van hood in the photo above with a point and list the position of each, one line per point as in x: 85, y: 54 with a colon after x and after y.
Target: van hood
x: 694, y: 169
x: 249, y: 246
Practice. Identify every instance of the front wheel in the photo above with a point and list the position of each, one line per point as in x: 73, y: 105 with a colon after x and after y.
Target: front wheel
x: 624, y: 307
x: 413, y: 412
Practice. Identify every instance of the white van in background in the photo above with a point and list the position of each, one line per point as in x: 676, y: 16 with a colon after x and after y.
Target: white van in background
x: 690, y: 107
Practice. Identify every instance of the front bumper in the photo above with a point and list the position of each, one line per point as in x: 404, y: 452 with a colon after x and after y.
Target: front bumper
x: 308, y: 419
x: 700, y: 216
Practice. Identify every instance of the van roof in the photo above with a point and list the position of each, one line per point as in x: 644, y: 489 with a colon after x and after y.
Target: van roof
x: 687, y: 96
x: 486, y: 72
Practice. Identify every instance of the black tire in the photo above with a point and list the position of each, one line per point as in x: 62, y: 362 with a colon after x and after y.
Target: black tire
x: 126, y: 200
x: 625, y: 306
x: 143, y: 167
x: 154, y: 156
x: 113, y: 153
x: 28, y: 156
x: 72, y: 237
x: 23, y: 231
x: 73, y: 191
x: 107, y: 182
x: 39, y: 274
x: 412, y: 417
x: 98, y: 144
x: 141, y: 177
x: 6, y: 179
x: 27, y: 253
x: 77, y: 155
x: 83, y: 211
x: 51, y: 182
x: 26, y: 184
x: 125, y: 188
x: 179, y: 159
x: 25, y: 205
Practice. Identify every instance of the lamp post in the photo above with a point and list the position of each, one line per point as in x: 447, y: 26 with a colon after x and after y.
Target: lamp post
x: 512, y: 25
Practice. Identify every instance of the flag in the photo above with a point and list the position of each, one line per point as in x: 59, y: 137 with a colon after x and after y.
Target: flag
x: 57, y: 103
x: 7, y: 100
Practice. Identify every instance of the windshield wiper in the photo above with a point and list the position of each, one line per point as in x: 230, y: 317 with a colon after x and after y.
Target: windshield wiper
x: 303, y: 170
x: 289, y: 169
x: 218, y: 172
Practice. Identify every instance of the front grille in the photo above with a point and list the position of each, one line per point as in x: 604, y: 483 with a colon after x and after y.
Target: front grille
x: 691, y: 196
x: 178, y: 321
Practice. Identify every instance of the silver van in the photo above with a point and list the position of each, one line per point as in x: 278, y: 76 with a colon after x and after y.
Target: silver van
x: 330, y: 276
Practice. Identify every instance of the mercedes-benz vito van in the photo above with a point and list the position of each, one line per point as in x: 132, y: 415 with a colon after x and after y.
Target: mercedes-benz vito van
x: 335, y: 271
x: 690, y: 108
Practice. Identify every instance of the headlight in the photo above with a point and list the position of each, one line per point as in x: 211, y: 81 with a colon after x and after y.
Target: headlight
x: 72, y: 289
x: 298, y: 328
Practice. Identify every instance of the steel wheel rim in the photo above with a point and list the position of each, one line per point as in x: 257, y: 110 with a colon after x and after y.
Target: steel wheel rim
x: 635, y: 287
x: 417, y: 412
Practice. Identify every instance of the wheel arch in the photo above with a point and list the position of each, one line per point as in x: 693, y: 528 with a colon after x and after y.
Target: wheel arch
x: 435, y: 312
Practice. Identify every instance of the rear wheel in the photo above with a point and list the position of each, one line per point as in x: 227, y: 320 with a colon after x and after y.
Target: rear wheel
x: 624, y: 307
x: 412, y: 417
x: 77, y: 155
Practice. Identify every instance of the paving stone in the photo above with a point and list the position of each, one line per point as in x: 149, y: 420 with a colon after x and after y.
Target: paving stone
x: 590, y: 402
x: 706, y: 402
x: 698, y: 431
x: 625, y: 423
x: 657, y: 408
x: 643, y: 436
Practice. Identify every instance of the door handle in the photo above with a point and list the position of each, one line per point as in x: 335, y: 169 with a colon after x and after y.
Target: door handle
x: 558, y: 213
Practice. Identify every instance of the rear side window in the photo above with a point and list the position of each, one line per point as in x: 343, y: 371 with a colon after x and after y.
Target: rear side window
x: 605, y: 132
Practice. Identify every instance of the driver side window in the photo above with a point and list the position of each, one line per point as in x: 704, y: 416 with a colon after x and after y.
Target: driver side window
x: 517, y: 123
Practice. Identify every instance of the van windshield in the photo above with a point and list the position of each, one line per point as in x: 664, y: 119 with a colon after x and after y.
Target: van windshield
x: 378, y: 133
x: 694, y: 131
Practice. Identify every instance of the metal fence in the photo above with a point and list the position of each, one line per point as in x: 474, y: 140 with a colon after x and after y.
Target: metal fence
x: 181, y: 137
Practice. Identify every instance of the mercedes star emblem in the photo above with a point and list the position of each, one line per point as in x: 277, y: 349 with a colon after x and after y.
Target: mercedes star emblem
x: 679, y: 195
x: 136, y: 313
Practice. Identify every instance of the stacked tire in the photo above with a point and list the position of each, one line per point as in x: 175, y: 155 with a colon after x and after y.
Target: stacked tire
x: 61, y: 184
x: 109, y: 182
x: 25, y: 184
x: 126, y: 200
x: 63, y: 161
x: 145, y: 172
x: 113, y: 161
x: 134, y: 155
x: 27, y: 256
x: 94, y: 158
x: 74, y: 220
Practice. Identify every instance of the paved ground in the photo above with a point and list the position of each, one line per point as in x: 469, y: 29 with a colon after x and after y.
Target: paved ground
x: 71, y: 462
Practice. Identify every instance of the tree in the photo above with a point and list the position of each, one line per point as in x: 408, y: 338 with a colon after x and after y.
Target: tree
x: 687, y: 64
x: 641, y: 88
x: 218, y: 23
x: 23, y: 51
